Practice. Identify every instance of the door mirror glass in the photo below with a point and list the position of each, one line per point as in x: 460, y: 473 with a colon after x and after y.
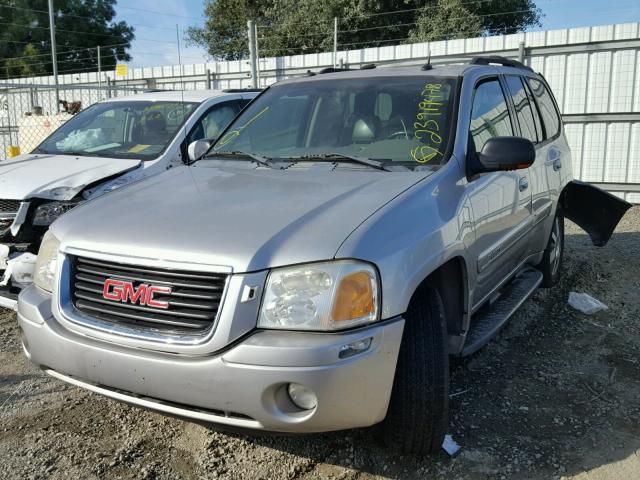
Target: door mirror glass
x: 504, y: 153
x: 197, y: 149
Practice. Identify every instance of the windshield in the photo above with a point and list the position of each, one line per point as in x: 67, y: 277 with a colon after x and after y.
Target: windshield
x: 404, y: 120
x: 131, y: 129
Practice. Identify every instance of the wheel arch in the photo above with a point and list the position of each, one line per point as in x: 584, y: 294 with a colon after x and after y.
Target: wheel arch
x: 451, y: 281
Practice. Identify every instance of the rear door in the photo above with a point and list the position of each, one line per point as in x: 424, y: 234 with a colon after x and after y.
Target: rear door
x: 544, y: 132
x: 501, y: 201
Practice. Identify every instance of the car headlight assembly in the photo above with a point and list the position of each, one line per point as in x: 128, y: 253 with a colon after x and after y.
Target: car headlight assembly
x: 321, y: 297
x: 47, y: 262
x: 47, y: 213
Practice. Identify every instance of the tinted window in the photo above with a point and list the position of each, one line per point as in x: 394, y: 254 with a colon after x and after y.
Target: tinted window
x: 490, y: 115
x: 394, y: 119
x: 550, y: 115
x: 523, y: 108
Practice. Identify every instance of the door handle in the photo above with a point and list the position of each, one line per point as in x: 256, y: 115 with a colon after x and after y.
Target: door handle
x: 523, y: 184
x: 557, y: 164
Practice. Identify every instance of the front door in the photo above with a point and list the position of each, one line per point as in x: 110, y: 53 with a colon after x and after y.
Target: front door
x: 501, y: 201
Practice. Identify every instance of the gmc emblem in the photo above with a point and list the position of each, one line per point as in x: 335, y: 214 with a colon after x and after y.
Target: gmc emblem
x: 125, y: 292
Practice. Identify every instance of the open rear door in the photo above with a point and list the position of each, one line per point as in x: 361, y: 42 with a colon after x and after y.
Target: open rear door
x: 597, y: 212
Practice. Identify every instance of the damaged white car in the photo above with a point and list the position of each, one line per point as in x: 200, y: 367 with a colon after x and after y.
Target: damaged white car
x: 108, y: 145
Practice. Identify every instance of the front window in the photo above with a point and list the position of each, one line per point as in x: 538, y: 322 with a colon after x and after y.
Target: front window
x: 393, y: 120
x: 127, y: 129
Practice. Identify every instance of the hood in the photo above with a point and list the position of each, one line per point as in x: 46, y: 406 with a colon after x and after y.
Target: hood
x: 244, y: 219
x: 55, y: 177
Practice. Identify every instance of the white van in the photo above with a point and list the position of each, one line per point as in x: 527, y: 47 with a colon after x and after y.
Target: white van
x: 108, y: 145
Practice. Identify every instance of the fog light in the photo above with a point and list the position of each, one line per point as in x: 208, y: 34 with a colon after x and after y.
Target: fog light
x: 301, y: 396
x: 354, y: 348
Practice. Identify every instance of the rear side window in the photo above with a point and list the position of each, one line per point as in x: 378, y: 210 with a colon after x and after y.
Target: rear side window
x: 550, y: 116
x: 524, y: 112
x: 489, y: 115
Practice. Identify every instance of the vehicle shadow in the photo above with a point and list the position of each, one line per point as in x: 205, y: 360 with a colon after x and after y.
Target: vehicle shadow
x: 555, y: 394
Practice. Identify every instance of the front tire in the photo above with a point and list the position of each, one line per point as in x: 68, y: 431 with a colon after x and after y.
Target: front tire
x: 551, y: 264
x: 418, y: 414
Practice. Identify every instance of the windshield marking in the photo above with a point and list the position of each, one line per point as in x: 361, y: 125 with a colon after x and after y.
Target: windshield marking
x: 236, y: 132
x: 431, y: 105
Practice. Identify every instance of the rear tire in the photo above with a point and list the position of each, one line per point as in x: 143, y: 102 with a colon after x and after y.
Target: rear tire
x: 418, y: 415
x: 551, y: 264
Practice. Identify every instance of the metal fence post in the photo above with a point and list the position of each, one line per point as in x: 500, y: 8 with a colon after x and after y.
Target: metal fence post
x: 521, y: 52
x: 335, y: 40
x: 252, y: 54
x: 209, y: 79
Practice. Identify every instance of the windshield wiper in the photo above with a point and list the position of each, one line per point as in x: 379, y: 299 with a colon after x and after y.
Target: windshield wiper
x: 340, y: 157
x: 259, y: 159
x: 74, y: 153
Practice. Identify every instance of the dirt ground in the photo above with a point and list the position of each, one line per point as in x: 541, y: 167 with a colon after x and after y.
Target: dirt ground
x: 555, y: 396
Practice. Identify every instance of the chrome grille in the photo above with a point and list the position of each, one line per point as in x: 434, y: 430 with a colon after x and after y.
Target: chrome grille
x: 9, y: 206
x: 192, y: 304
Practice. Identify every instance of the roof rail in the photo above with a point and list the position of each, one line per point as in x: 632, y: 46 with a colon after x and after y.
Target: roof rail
x: 333, y: 70
x: 241, y: 90
x: 506, y: 62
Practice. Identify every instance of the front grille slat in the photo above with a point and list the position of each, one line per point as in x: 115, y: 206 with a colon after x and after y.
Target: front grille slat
x: 109, y: 312
x: 156, y: 280
x: 9, y: 206
x: 173, y: 301
x: 142, y: 270
x: 193, y: 302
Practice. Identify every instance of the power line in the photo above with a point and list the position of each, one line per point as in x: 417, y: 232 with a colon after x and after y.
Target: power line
x: 66, y: 51
x: 60, y: 13
x: 84, y: 33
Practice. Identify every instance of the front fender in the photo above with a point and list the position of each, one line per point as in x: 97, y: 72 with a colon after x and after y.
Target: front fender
x: 597, y: 212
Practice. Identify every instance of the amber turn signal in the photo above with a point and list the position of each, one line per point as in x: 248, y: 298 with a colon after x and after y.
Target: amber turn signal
x: 354, y: 298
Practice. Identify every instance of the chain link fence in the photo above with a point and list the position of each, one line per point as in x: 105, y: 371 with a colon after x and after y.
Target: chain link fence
x: 29, y: 113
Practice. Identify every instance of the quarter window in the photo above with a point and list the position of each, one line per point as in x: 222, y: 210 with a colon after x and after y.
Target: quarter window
x: 489, y: 115
x: 523, y: 109
x: 548, y: 111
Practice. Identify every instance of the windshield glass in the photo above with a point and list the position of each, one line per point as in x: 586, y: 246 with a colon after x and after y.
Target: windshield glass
x: 131, y: 129
x: 404, y: 120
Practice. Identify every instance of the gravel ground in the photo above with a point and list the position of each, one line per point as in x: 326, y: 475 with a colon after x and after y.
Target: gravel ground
x: 555, y: 396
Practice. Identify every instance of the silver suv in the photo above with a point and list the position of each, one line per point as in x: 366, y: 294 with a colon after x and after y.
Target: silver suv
x: 316, y: 268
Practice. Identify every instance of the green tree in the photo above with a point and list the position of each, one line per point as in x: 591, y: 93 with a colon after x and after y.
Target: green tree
x: 81, y: 25
x: 287, y: 27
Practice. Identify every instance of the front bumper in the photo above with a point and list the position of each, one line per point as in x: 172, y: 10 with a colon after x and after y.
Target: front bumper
x: 245, y: 386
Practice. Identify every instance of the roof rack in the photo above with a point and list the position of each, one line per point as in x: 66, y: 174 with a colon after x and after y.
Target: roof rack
x: 333, y: 70
x: 242, y: 90
x: 506, y: 62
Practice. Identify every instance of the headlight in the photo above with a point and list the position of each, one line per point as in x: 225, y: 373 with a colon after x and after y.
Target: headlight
x: 321, y: 296
x: 47, y: 262
x: 45, y: 214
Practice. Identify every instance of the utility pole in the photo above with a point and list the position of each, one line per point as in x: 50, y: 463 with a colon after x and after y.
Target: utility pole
x: 335, y: 41
x: 252, y: 54
x: 54, y: 56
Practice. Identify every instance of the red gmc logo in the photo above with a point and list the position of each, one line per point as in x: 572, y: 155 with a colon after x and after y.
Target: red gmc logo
x: 125, y: 292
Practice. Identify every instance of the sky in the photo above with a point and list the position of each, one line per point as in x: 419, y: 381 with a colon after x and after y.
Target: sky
x: 157, y: 44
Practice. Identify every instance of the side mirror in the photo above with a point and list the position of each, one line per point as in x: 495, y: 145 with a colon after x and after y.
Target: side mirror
x: 504, y: 153
x: 197, y: 149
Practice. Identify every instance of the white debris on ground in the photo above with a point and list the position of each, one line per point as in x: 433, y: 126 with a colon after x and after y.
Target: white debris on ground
x: 450, y: 446
x: 585, y: 303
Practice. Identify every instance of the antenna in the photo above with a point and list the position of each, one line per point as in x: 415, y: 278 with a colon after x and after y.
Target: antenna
x: 184, y: 119
x: 427, y: 66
